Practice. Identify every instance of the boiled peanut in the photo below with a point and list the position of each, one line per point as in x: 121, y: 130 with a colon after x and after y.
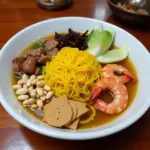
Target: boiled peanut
x: 26, y: 102
x: 21, y: 82
x: 39, y: 91
x: 43, y: 98
x: 44, y: 92
x: 47, y: 88
x: 41, y: 77
x: 25, y: 77
x: 30, y: 88
x: 16, y: 87
x: 23, y: 97
x: 33, y: 93
x: 39, y: 103
x: 22, y: 91
x: 40, y: 83
x: 37, y: 95
x: 25, y: 86
x: 29, y: 83
x: 34, y: 106
x: 32, y: 100
x: 34, y: 81
x: 49, y: 94
x: 29, y: 101
x: 33, y: 77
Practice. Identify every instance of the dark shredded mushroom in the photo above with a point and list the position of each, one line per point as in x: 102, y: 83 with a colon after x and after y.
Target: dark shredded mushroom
x: 72, y: 39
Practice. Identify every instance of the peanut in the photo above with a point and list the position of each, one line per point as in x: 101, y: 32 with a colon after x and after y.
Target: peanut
x: 39, y: 103
x: 30, y: 88
x: 29, y: 83
x: 37, y: 95
x: 25, y: 86
x: 47, y: 88
x: 43, y: 98
x: 45, y: 92
x: 29, y: 101
x: 40, y: 77
x: 16, y: 87
x: 33, y: 93
x: 33, y: 77
x: 21, y: 82
x: 40, y: 83
x: 26, y: 102
x: 25, y: 77
x: 39, y: 91
x: 23, y: 97
x: 34, y: 106
x: 49, y: 94
x: 22, y: 91
x: 32, y: 100
x: 34, y: 81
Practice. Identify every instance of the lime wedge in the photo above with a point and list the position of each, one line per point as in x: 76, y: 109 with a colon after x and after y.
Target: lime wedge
x: 100, y: 41
x: 114, y: 55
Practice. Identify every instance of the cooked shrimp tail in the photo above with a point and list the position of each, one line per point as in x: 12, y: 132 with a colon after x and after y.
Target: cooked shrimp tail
x: 129, y: 75
x: 110, y: 70
x: 124, y: 78
x: 95, y: 92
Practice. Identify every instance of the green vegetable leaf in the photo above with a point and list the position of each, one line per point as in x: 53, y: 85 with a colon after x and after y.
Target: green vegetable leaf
x: 42, y: 70
x: 37, y: 45
x: 18, y: 78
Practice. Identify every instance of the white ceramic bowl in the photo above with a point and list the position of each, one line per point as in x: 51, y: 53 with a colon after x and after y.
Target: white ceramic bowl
x: 137, y: 53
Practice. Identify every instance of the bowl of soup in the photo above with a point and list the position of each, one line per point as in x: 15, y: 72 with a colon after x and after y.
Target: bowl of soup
x: 82, y: 80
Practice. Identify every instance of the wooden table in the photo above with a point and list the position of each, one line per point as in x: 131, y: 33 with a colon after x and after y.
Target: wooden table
x: 18, y: 14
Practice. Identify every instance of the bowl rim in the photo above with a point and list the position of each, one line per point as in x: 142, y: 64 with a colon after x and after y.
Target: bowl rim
x: 90, y: 134
x: 114, y: 5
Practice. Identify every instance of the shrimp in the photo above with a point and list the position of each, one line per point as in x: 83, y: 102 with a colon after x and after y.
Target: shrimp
x: 110, y: 69
x: 117, y: 89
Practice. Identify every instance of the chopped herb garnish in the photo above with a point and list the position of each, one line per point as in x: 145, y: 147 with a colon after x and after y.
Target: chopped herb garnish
x: 41, y: 68
x: 37, y: 45
x: 18, y: 78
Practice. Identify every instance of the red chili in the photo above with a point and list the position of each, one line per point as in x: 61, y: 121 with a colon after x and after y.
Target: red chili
x: 129, y: 6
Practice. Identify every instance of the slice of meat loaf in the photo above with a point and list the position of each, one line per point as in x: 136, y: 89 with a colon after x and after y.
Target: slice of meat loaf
x: 58, y: 112
x: 74, y: 125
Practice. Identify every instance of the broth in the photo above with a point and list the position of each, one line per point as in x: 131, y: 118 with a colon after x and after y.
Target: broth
x: 100, y: 118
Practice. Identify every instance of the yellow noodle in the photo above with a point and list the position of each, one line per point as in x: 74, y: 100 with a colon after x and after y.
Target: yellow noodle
x: 90, y: 117
x: 72, y: 72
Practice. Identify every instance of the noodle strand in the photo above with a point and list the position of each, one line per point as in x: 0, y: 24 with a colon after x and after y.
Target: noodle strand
x: 72, y: 72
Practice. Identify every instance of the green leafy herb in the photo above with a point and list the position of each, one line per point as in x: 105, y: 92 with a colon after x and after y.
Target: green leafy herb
x: 37, y: 45
x: 41, y: 69
x: 18, y: 78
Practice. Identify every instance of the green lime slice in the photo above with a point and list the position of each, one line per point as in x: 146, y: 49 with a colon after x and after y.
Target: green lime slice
x: 100, y: 41
x: 114, y: 55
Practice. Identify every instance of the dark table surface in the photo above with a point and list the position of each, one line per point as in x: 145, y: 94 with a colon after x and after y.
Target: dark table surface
x: 18, y: 14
